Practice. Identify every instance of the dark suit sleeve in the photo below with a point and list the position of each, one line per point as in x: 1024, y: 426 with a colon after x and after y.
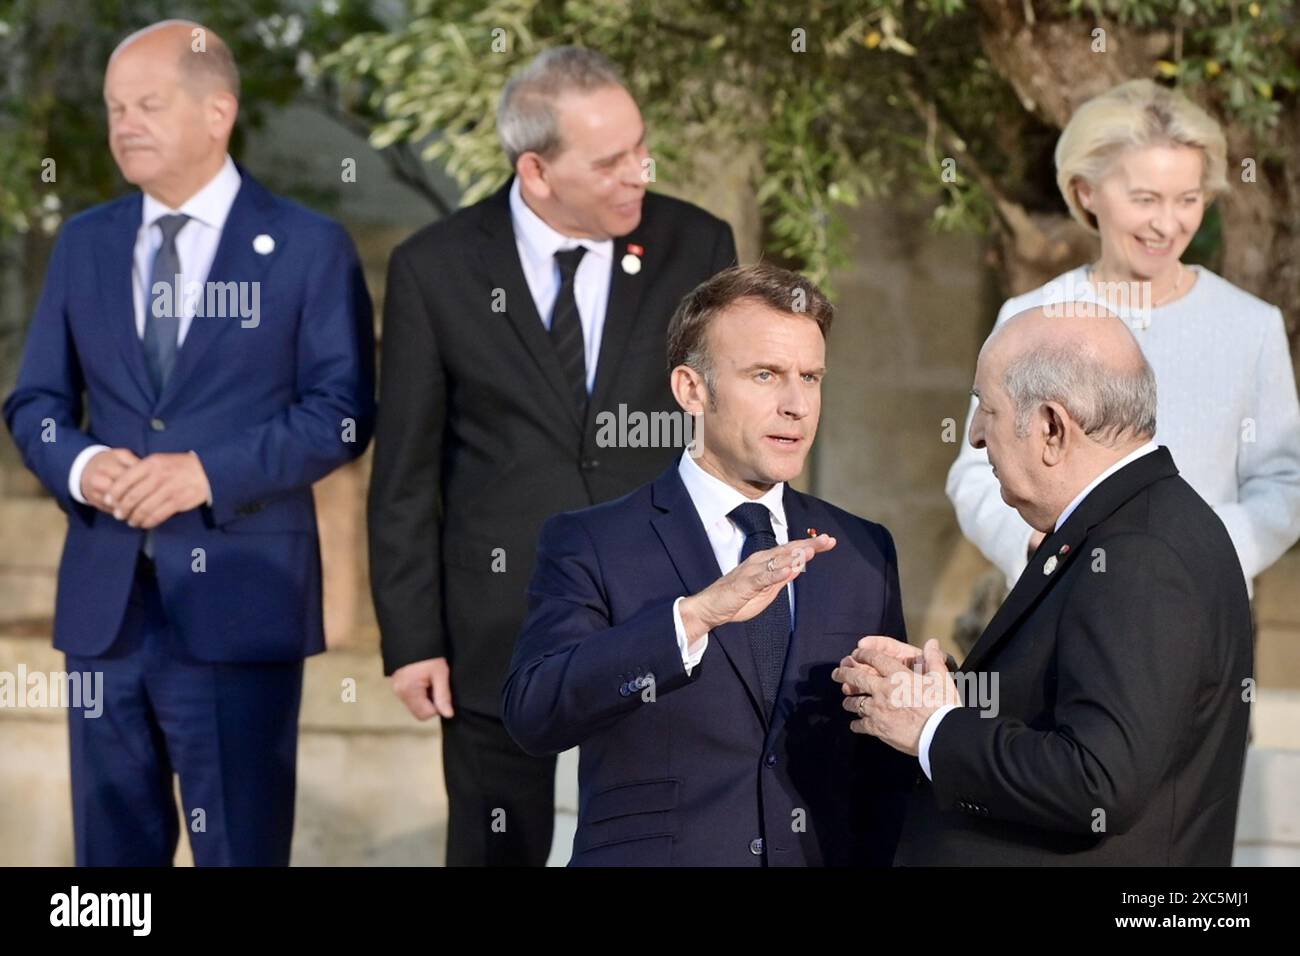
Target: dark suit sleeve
x: 895, y: 626
x: 569, y: 676
x: 887, y: 776
x: 1130, y: 647
x: 331, y: 419
x: 405, y: 519
x: 44, y: 412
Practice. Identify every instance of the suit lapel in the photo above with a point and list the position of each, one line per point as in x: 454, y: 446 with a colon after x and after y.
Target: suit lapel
x: 115, y: 265
x: 236, y: 261
x: 1032, y: 584
x: 687, y: 544
x: 500, y: 258
x: 1064, y: 545
x: 809, y: 602
x: 625, y: 292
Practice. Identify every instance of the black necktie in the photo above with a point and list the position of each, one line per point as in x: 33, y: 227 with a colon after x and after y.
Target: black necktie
x: 566, y: 328
x: 161, y: 323
x: 769, y: 631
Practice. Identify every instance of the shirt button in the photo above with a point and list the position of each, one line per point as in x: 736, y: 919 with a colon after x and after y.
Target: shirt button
x: 157, y: 424
x: 756, y: 847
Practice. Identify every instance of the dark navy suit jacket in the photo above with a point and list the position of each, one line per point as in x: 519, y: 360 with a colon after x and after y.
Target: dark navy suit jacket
x: 688, y: 770
x: 269, y: 407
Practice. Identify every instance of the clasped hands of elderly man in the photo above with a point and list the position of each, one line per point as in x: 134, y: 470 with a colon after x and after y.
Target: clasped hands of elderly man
x: 893, y: 688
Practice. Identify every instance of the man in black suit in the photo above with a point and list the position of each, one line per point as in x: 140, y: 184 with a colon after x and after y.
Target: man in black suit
x: 684, y: 635
x: 1106, y: 704
x: 521, y: 336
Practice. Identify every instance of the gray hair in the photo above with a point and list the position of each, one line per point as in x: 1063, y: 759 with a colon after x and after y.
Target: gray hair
x: 526, y: 120
x: 1109, y: 404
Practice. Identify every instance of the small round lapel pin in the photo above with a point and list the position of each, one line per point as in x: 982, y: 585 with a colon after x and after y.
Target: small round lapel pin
x: 264, y: 245
x: 632, y: 261
x: 1049, y: 565
x: 812, y: 532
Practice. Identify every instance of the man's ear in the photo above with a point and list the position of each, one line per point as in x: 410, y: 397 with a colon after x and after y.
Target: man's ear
x: 223, y: 109
x: 1053, y: 419
x: 531, y: 170
x: 690, y: 389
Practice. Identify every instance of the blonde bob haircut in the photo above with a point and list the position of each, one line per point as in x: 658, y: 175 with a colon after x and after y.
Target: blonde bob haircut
x: 1135, y: 115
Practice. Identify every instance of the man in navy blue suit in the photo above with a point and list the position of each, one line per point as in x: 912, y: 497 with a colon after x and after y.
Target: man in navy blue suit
x: 684, y: 636
x: 222, y: 339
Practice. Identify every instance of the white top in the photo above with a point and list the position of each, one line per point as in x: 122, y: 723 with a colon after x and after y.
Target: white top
x: 538, y: 243
x: 714, y: 499
x: 196, y: 247
x: 1226, y: 409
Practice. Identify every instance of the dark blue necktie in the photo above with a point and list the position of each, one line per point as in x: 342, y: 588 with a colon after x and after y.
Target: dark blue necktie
x: 161, y: 324
x: 566, y: 328
x: 769, y: 631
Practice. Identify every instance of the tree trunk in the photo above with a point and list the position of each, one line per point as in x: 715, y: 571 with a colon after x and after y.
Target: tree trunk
x: 1054, y: 66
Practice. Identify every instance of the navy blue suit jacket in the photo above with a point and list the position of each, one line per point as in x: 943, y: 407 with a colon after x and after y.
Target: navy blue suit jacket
x: 269, y: 408
x: 688, y: 770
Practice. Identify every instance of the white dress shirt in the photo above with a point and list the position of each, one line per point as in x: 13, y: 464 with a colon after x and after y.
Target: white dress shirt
x: 196, y: 247
x: 932, y: 723
x: 714, y: 499
x: 538, y: 243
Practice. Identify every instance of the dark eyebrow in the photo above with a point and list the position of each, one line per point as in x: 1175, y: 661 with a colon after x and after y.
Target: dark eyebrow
x: 770, y: 367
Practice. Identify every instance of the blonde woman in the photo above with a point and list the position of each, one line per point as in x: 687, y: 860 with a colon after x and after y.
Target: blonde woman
x: 1138, y: 165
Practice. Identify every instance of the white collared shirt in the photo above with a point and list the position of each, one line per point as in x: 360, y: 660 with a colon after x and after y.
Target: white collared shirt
x: 932, y: 723
x: 196, y: 247
x: 714, y: 499
x: 1132, y: 456
x: 538, y: 243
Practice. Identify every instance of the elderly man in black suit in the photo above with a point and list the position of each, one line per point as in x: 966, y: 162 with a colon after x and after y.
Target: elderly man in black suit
x: 1103, y: 713
x: 520, y: 334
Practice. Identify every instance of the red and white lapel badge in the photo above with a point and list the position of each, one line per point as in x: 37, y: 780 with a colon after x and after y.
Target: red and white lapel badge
x: 632, y: 260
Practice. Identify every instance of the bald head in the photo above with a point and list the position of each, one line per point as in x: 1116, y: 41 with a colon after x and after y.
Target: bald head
x: 172, y: 93
x: 1062, y: 397
x: 202, y: 60
x: 1087, y: 360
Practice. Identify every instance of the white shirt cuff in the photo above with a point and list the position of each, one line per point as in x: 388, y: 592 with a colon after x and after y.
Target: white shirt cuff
x: 78, y: 466
x: 927, y: 735
x: 689, y: 660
